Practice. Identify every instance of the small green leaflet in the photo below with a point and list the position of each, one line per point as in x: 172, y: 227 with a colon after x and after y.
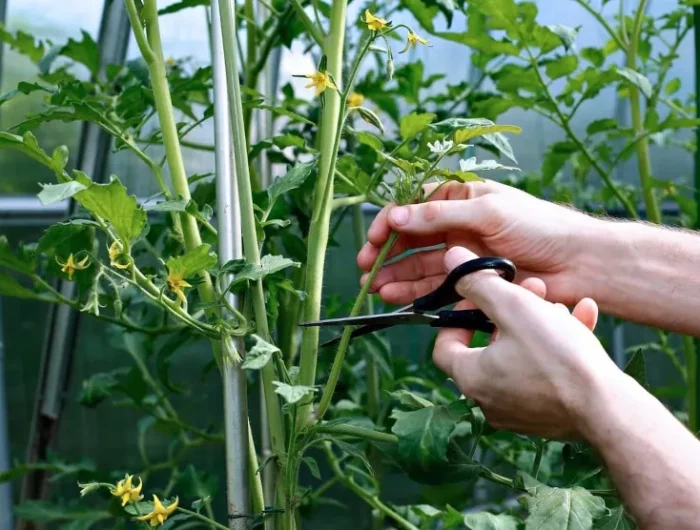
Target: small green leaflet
x: 182, y: 4
x: 10, y: 287
x: 23, y: 43
x: 192, y: 261
x: 565, y: 33
x: 615, y: 520
x: 413, y: 124
x: 21, y: 262
x: 45, y: 512
x: 260, y: 354
x: 292, y: 393
x: 28, y: 144
x: 175, y: 205
x: 410, y: 400
x: 86, y: 52
x: 59, y: 233
x: 489, y: 521
x: 559, y: 508
x: 470, y: 164
x: 111, y: 203
x: 636, y: 368
x: 369, y: 139
x: 285, y: 112
x: 561, y: 66
x: 465, y: 129
x: 638, y: 80
x: 269, y: 264
x: 294, y: 178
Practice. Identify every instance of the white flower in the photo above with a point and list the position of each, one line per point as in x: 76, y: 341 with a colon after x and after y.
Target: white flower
x: 470, y: 164
x: 439, y: 147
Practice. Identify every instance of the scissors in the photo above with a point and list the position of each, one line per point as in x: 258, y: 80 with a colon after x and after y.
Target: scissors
x: 415, y: 313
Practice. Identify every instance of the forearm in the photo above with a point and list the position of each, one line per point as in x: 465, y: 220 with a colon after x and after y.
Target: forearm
x: 651, y: 456
x: 642, y: 273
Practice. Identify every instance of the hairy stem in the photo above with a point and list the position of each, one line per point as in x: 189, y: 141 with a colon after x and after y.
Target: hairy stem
x: 323, y: 193
x: 359, y: 432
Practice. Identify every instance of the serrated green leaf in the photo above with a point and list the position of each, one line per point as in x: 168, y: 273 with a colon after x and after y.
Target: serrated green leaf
x: 23, y: 43
x: 260, y: 354
x: 635, y: 78
x: 615, y: 520
x: 560, y: 508
x: 294, y: 178
x: 28, y: 145
x: 413, y: 124
x: 465, y: 129
x: 489, y: 521
x: 20, y: 261
x: 86, y: 52
x: 112, y: 203
x: 602, y: 125
x: 175, y: 205
x: 636, y: 368
x: 424, y: 434
x: 192, y: 261
x: 58, y: 234
x: 292, y: 393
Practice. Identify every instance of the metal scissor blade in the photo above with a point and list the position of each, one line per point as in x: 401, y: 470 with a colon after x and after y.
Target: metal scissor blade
x: 389, y: 319
x: 358, y: 332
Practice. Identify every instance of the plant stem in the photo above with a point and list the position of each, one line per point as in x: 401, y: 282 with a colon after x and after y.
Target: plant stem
x: 538, y: 458
x: 323, y: 193
x: 314, y: 32
x: 642, y: 146
x: 600, y: 18
x: 202, y: 518
x: 359, y: 432
x: 249, y: 228
x: 345, y: 339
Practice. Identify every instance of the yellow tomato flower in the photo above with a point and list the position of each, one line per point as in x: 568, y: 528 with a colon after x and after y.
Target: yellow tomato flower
x: 321, y: 81
x: 160, y: 513
x: 70, y: 266
x: 355, y: 100
x: 374, y: 23
x: 115, y: 253
x: 412, y: 41
x: 177, y: 283
x: 127, y: 491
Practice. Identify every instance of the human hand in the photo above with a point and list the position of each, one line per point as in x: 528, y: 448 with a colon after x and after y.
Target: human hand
x: 542, y: 239
x: 543, y: 366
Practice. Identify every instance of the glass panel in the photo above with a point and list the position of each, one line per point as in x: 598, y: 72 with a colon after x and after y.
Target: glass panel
x: 44, y: 19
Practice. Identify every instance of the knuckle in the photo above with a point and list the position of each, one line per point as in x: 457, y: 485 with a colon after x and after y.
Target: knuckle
x: 432, y: 211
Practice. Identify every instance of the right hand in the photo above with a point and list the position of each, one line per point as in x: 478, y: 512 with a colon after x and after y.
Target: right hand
x: 544, y: 371
x: 542, y: 239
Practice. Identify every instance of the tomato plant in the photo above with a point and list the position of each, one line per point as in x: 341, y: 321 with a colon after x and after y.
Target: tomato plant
x: 374, y: 130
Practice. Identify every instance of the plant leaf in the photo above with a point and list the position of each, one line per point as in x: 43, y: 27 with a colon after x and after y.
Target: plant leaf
x: 192, y: 261
x: 292, y: 393
x: 615, y: 520
x: 11, y: 287
x: 565, y: 33
x: 470, y: 164
x: 356, y: 452
x: 369, y: 139
x: 411, y: 400
x: 86, y: 52
x: 489, y: 521
x: 638, y: 80
x: 424, y: 434
x: 59, y: 233
x: 20, y: 261
x: 53, y: 193
x: 182, y: 4
x: 260, y: 354
x: 559, y: 508
x: 294, y: 178
x: 111, y: 202
x: 636, y: 368
x: 175, y: 205
x: 413, y: 124
x: 269, y: 264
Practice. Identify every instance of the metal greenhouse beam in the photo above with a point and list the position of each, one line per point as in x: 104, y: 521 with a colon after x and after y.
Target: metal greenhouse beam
x: 62, y: 325
x: 230, y: 247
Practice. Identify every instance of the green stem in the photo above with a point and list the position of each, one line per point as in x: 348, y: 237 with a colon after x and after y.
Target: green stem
x: 601, y: 19
x: 321, y: 214
x: 359, y: 432
x: 349, y: 201
x: 642, y: 146
x: 345, y: 339
x: 538, y: 458
x: 248, y: 222
x: 203, y: 518
x: 313, y: 31
x: 564, y: 124
x: 256, y: 488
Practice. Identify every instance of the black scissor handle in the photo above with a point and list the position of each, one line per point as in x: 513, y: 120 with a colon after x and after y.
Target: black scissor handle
x: 464, y: 319
x: 446, y: 294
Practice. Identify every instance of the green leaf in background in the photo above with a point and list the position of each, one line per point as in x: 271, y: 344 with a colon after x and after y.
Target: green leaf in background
x: 673, y: 86
x: 413, y: 124
x: 11, y: 287
x: 292, y: 393
x: 20, y: 261
x: 636, y: 368
x: 46, y: 512
x: 23, y: 43
x: 554, y: 160
x: 99, y: 386
x: 602, y: 125
x: 53, y: 193
x: 356, y: 452
x: 260, y: 354
x: 57, y: 234
x: 269, y: 264
x: 594, y: 56
x: 369, y: 139
x: 28, y: 145
x: 175, y: 205
x: 182, y: 4
x: 559, y: 508
x: 489, y: 521
x: 112, y: 203
x: 561, y: 66
x: 424, y: 14
x: 192, y: 261
x: 86, y: 52
x: 638, y: 80
x: 565, y: 33
x: 286, y: 112
x: 313, y: 466
x: 294, y: 178
x: 615, y: 520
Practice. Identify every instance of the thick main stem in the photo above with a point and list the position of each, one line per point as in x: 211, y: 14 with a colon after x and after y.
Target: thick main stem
x: 642, y: 145
x: 323, y: 192
x: 248, y: 221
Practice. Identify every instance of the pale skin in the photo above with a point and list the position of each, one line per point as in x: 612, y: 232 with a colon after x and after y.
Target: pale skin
x: 545, y: 373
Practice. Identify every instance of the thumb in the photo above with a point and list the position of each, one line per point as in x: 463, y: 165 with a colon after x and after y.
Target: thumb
x: 497, y: 298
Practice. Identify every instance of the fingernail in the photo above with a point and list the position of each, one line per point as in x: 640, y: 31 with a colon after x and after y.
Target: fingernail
x: 399, y: 216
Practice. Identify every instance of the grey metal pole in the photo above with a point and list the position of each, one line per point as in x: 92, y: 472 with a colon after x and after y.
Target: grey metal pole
x: 62, y: 325
x: 230, y: 247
